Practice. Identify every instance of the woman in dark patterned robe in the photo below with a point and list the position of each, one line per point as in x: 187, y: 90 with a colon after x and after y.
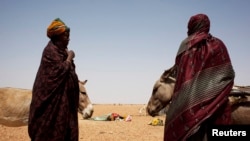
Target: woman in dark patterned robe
x: 205, y: 77
x: 55, y: 93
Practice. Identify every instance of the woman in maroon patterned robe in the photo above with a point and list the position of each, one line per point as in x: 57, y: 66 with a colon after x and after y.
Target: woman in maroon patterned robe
x: 55, y: 94
x: 205, y: 77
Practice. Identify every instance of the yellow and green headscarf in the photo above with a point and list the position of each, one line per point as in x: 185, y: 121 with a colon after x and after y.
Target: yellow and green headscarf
x: 57, y: 27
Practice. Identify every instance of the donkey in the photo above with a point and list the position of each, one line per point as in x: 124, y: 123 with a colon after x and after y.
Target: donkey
x: 160, y: 99
x: 15, y: 104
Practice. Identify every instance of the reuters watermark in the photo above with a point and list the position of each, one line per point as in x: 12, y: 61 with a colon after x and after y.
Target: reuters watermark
x: 231, y: 133
x: 241, y: 132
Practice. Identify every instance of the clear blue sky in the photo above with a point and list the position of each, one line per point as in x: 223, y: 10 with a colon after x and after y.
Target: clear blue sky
x: 121, y: 46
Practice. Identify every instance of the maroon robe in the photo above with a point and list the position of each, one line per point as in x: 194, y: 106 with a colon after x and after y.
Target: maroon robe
x: 205, y: 77
x: 55, y: 97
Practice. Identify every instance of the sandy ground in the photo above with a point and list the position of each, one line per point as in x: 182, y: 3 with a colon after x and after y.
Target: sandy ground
x: 90, y: 130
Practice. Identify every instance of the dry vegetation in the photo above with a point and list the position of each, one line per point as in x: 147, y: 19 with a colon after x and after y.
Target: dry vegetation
x: 89, y: 130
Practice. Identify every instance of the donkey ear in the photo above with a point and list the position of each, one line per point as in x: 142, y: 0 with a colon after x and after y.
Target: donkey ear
x: 85, y: 81
x: 167, y: 73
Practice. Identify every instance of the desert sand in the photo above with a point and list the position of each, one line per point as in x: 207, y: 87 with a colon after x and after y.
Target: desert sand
x: 90, y: 130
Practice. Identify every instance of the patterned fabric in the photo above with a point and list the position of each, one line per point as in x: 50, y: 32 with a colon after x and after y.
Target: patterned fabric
x: 205, y: 77
x: 198, y: 23
x: 57, y: 27
x: 55, y: 98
